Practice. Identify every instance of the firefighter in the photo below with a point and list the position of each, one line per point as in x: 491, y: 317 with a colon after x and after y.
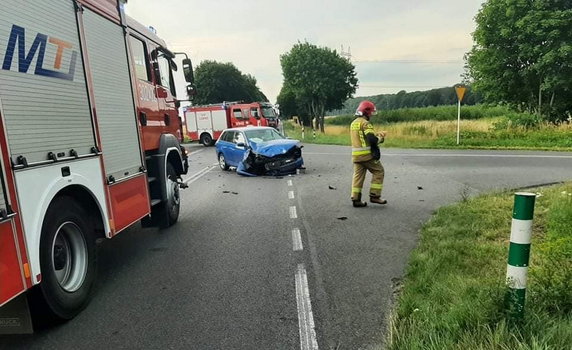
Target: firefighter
x: 366, y: 155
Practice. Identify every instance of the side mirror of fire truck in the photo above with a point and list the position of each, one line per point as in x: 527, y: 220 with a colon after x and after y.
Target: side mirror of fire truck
x: 188, y: 71
x: 191, y: 91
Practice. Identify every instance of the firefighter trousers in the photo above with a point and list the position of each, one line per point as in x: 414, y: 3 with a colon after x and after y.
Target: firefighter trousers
x: 377, y: 172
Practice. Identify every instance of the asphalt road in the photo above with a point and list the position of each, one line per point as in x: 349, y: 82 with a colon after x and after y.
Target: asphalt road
x: 232, y: 273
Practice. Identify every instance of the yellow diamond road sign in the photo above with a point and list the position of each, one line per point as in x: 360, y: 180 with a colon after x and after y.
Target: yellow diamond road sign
x: 460, y: 92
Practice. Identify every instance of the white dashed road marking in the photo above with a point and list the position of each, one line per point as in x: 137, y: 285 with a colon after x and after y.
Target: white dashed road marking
x: 305, y: 317
x: 293, y: 214
x: 297, y: 240
x: 291, y: 195
x: 290, y: 183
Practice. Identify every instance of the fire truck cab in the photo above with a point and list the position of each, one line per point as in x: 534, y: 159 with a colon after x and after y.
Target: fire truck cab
x: 89, y: 143
x: 206, y: 123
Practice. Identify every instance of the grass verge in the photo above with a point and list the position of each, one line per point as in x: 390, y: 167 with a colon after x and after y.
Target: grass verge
x: 453, y: 292
x: 475, y: 134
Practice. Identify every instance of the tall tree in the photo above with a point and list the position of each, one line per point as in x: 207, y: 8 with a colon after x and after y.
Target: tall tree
x: 217, y: 82
x: 319, y: 78
x: 523, y: 55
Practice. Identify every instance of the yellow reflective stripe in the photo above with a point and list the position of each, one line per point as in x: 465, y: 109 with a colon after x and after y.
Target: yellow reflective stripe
x: 362, y: 139
x: 360, y: 149
x: 360, y: 153
x: 355, y: 126
x: 356, y: 190
x: 376, y: 186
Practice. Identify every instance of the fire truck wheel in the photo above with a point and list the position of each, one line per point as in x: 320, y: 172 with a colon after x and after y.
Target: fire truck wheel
x: 67, y: 258
x: 222, y: 162
x: 206, y: 140
x: 173, y: 203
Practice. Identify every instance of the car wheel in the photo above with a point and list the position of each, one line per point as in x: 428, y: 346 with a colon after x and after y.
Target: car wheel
x: 222, y: 162
x: 206, y: 140
x: 67, y: 259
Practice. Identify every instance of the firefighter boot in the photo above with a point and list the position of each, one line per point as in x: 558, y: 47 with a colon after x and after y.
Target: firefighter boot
x: 357, y: 203
x: 377, y: 200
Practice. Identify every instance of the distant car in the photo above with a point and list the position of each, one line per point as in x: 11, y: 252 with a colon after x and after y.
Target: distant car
x: 258, y: 151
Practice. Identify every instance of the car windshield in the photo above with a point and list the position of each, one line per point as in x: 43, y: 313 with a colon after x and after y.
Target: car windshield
x: 268, y: 112
x: 263, y: 135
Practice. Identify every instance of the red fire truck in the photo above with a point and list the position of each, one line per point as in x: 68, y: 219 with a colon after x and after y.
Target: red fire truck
x: 89, y: 144
x: 206, y: 123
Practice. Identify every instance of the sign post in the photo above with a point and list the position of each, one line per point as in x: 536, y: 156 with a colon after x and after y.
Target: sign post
x: 460, y: 89
x: 519, y: 253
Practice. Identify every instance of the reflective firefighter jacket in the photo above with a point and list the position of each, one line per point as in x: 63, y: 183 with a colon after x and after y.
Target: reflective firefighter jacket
x: 364, y: 141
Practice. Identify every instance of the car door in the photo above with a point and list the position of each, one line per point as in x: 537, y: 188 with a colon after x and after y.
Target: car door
x: 225, y: 146
x: 236, y: 151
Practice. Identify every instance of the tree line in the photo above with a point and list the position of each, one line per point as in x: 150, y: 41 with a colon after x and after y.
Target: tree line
x: 416, y: 99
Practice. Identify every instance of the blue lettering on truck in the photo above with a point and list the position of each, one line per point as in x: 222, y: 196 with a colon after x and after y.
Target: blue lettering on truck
x: 18, y: 37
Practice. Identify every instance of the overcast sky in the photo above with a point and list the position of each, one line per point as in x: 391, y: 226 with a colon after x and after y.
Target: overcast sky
x: 395, y: 45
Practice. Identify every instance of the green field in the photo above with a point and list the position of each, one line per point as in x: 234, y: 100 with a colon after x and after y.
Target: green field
x: 453, y: 293
x: 436, y: 127
x: 438, y: 113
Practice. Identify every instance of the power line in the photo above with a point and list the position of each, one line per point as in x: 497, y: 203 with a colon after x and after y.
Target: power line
x: 397, y: 86
x: 413, y: 61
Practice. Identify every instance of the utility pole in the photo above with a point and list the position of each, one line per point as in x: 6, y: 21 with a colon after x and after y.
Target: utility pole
x: 347, y: 55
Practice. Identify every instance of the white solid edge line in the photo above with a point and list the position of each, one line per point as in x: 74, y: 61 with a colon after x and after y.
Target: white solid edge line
x: 289, y: 182
x: 308, y: 339
x: 521, y: 231
x: 291, y: 195
x: 195, y: 152
x: 425, y: 155
x: 293, y: 214
x: 198, y: 175
x: 297, y: 240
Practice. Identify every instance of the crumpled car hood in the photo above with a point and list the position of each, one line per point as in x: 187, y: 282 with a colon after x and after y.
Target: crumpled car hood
x: 273, y: 148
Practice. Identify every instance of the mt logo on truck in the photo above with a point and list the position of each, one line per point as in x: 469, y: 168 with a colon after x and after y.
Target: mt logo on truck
x: 18, y: 36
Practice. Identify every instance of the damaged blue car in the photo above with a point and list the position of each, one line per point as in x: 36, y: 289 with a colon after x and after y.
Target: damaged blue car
x: 255, y: 151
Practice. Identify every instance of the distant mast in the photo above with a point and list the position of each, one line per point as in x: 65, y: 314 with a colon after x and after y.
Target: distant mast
x: 347, y: 55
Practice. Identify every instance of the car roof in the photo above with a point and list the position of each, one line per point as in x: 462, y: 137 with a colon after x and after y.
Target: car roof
x: 245, y: 128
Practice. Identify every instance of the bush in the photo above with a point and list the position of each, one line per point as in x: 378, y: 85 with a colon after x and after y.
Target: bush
x: 438, y: 113
x: 518, y: 120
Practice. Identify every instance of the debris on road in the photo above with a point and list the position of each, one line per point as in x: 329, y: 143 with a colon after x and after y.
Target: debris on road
x: 343, y: 218
x: 419, y: 187
x: 332, y: 188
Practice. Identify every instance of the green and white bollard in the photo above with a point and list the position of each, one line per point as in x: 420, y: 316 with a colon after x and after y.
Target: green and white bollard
x: 519, y: 252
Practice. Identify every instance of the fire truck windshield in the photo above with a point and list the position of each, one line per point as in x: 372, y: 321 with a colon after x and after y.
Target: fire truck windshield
x: 268, y: 112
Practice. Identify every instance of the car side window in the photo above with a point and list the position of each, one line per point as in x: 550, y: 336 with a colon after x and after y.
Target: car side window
x: 228, y: 136
x: 238, y: 138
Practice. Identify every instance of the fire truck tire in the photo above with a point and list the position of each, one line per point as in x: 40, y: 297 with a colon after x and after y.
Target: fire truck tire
x: 67, y: 258
x: 222, y: 162
x: 171, y: 207
x: 206, y: 139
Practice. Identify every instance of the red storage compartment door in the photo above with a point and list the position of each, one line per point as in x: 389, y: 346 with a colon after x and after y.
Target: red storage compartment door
x: 11, y: 274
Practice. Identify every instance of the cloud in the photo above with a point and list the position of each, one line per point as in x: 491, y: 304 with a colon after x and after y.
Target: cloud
x: 253, y: 34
